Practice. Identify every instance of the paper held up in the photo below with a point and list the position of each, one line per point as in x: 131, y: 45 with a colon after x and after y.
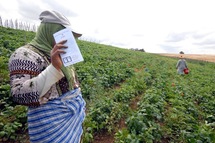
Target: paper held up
x: 73, y: 54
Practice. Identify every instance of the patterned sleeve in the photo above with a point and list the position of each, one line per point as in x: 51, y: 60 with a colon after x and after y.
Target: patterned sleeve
x: 24, y: 64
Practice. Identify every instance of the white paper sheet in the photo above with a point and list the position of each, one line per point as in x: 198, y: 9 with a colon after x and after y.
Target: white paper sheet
x: 73, y: 54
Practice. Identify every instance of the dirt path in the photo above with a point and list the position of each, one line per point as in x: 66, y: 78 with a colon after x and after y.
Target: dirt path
x: 209, y: 58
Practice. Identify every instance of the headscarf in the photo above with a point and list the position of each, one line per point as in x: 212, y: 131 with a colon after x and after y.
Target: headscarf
x: 44, y: 41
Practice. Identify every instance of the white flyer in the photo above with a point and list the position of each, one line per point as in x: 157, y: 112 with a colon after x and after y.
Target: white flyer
x: 73, y: 54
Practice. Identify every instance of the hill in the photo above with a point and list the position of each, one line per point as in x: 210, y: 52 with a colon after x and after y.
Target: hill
x: 131, y: 96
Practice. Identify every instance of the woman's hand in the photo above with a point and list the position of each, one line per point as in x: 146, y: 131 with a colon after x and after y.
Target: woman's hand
x: 55, y: 54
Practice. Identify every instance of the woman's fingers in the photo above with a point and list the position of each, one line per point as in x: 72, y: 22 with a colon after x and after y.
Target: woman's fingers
x: 55, y: 54
x: 59, y: 45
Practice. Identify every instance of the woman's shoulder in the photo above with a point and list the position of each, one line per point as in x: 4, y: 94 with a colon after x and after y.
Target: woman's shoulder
x: 24, y: 53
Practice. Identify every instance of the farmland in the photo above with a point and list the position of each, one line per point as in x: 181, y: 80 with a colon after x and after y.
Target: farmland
x: 132, y: 96
x: 200, y: 57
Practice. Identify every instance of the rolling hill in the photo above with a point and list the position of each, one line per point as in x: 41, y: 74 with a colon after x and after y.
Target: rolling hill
x: 131, y: 96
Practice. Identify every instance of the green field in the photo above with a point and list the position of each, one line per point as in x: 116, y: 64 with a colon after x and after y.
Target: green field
x: 132, y: 96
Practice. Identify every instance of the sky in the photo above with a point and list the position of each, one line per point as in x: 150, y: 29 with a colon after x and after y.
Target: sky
x: 157, y: 26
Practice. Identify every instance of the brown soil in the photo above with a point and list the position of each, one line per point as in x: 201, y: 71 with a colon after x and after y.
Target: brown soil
x: 103, y: 137
x: 203, y: 57
x: 134, y: 102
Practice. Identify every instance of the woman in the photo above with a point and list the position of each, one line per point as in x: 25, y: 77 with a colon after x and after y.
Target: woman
x: 181, y: 65
x: 39, y: 80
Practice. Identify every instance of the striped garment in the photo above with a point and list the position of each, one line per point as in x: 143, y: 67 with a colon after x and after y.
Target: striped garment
x: 59, y: 120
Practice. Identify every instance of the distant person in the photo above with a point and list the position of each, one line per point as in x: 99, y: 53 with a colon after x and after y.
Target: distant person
x: 181, y: 65
x: 39, y: 80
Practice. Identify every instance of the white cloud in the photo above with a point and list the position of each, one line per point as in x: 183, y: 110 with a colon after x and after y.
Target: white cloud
x: 155, y: 26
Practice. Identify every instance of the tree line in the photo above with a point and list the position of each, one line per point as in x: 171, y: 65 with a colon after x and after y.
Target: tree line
x: 15, y: 24
x: 136, y: 49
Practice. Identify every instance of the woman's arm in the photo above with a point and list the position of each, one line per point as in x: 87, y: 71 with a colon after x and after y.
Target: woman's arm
x: 29, y: 81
